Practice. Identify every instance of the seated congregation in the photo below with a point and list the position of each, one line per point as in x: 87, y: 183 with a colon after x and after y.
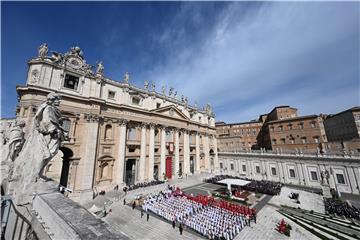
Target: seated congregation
x: 214, y: 219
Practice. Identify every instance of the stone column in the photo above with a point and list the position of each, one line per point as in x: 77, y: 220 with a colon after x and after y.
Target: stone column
x: 351, y: 179
x: 151, y: 151
x: 186, y: 148
x: 142, y: 174
x: 216, y: 159
x: 207, y: 154
x: 88, y: 158
x: 121, y: 152
x: 176, y: 164
x: 197, y: 153
x: 162, y: 153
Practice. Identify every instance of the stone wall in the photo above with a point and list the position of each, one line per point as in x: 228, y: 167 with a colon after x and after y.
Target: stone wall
x: 344, y: 171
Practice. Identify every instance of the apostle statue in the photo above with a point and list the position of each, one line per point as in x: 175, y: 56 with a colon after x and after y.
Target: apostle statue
x: 146, y: 85
x: 163, y: 90
x: 16, y: 139
x: 153, y: 86
x: 171, y: 91
x: 43, y: 50
x: 100, y: 68
x: 41, y: 146
x: 126, y: 78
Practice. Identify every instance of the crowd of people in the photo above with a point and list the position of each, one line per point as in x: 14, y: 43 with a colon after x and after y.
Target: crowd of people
x: 141, y: 185
x: 336, y: 206
x: 211, y: 218
x: 266, y: 187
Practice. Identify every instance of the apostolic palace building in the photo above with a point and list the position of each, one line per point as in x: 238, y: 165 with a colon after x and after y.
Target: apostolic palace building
x: 117, y: 133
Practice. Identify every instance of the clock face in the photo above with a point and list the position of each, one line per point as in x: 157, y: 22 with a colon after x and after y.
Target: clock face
x: 74, y: 62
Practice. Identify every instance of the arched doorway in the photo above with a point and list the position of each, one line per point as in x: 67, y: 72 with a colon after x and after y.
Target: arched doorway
x: 212, y: 155
x: 156, y: 172
x: 130, y: 172
x: 58, y: 168
x: 68, y: 153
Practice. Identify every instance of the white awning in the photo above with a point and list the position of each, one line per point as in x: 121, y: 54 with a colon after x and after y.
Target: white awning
x: 95, y: 209
x: 237, y: 182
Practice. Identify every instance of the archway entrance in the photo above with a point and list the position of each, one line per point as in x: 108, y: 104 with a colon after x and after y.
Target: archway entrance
x: 192, y: 164
x: 64, y: 177
x: 130, y: 172
x: 156, y: 172
x: 58, y: 168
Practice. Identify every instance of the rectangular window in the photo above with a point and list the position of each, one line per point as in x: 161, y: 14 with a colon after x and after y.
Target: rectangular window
x: 316, y: 139
x: 313, y: 125
x: 292, y: 173
x: 274, y: 141
x: 111, y: 94
x: 136, y: 100
x: 303, y: 140
x: 66, y: 123
x: 232, y: 166
x: 221, y: 165
x: 158, y: 105
x: 301, y: 126
x: 273, y: 171
x: 244, y: 168
x: 257, y: 169
x: 71, y: 82
x: 290, y: 126
x: 292, y: 140
x: 282, y: 140
x: 314, y: 176
x: 340, y: 178
x: 280, y: 128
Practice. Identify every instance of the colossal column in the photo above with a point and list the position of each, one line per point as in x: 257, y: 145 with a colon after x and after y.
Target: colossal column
x: 207, y: 154
x: 197, y: 152
x: 216, y: 159
x: 151, y: 151
x: 142, y: 174
x: 88, y: 159
x: 162, y: 152
x: 186, y: 153
x: 121, y: 152
x: 176, y: 168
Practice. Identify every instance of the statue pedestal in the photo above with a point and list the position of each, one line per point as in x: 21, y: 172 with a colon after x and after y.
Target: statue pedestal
x: 25, y: 196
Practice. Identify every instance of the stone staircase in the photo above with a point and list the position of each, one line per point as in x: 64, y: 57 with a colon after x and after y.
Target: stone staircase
x: 322, y: 224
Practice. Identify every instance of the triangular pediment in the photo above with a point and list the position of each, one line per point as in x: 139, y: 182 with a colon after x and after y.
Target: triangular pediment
x: 171, y: 111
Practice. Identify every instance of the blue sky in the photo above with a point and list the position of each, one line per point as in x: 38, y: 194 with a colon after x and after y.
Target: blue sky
x: 243, y: 58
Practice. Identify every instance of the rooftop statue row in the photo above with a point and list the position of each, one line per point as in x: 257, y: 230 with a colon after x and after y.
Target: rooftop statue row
x: 75, y: 60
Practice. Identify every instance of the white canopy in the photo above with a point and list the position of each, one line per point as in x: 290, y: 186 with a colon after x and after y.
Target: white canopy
x: 95, y: 209
x: 237, y: 182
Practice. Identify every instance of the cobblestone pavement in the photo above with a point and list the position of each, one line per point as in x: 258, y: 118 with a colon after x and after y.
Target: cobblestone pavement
x: 128, y: 222
x: 308, y: 200
x: 267, y: 220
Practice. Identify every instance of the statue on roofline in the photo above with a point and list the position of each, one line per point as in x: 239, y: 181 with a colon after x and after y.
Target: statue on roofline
x: 43, y: 50
x: 146, y: 85
x: 126, y: 77
x: 100, y: 68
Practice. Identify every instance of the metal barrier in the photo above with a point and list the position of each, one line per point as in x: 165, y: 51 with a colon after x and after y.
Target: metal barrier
x: 14, y: 224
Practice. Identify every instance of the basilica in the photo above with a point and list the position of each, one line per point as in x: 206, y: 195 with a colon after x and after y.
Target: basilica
x: 117, y: 133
